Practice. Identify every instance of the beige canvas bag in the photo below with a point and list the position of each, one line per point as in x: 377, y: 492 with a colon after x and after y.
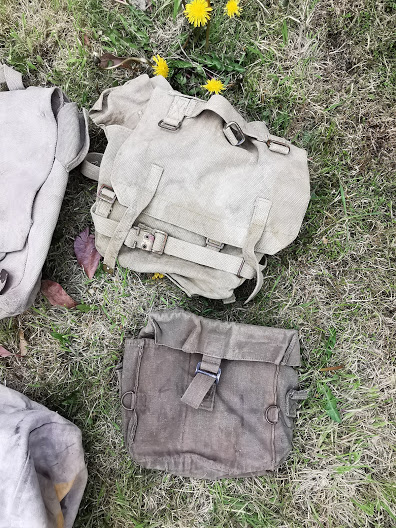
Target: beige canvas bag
x: 43, y: 137
x: 189, y: 188
x: 42, y: 468
x: 208, y: 399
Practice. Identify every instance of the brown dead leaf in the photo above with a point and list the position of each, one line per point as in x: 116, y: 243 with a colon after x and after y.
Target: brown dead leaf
x: 4, y: 352
x: 86, y: 252
x: 328, y: 369
x: 22, y: 343
x: 87, y: 42
x: 56, y: 294
x: 108, y: 61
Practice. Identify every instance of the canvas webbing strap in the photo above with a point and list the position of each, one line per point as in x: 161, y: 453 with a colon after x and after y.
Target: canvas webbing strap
x: 159, y: 242
x: 12, y: 78
x: 293, y: 398
x: 183, y: 106
x: 91, y: 165
x: 142, y: 200
x: 257, y: 224
x: 207, y: 373
x: 180, y: 108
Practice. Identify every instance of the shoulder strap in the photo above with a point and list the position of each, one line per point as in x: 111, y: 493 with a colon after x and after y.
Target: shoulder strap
x: 91, y: 165
x: 11, y: 77
x: 235, y: 126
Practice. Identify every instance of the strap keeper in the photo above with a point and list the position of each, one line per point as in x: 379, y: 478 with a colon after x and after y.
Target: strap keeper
x: 160, y: 239
x: 214, y: 244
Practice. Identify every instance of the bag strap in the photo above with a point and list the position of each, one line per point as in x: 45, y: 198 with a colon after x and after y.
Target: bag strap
x: 207, y: 373
x: 258, y: 222
x: 235, y: 128
x: 91, y: 165
x: 159, y: 242
x: 124, y: 226
x: 11, y: 77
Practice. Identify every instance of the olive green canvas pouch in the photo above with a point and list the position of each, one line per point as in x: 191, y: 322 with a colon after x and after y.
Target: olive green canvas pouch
x: 209, y: 399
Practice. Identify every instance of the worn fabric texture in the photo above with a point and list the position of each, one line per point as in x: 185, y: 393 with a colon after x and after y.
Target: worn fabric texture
x: 191, y: 189
x: 208, y: 399
x: 42, y: 468
x: 43, y: 137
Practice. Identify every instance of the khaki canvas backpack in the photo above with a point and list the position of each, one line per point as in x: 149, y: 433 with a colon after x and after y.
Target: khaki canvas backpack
x: 190, y: 189
x: 43, y: 137
x: 208, y: 399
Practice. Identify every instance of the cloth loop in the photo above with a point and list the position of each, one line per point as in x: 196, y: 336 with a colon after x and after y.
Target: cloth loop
x: 203, y: 380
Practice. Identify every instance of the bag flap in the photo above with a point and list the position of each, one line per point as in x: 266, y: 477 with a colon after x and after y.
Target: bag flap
x: 209, y: 186
x: 197, y: 335
x: 27, y: 152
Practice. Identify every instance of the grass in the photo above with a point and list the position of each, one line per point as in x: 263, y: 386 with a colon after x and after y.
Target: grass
x: 323, y: 75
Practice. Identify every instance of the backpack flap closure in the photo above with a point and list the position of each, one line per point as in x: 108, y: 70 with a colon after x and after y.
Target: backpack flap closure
x: 220, y: 340
x: 27, y: 153
x: 210, y: 186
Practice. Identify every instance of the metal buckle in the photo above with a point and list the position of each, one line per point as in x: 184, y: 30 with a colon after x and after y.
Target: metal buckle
x: 214, y: 244
x: 215, y: 376
x: 167, y: 126
x: 269, y: 141
x: 104, y: 197
x: 241, y: 137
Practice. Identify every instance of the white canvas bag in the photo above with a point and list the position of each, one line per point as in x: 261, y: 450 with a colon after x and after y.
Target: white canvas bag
x: 43, y: 137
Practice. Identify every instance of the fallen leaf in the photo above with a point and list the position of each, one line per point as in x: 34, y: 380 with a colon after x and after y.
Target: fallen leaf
x: 4, y: 352
x: 56, y: 294
x: 86, y: 252
x: 108, y: 61
x: 331, y: 403
x: 22, y: 343
x: 86, y: 40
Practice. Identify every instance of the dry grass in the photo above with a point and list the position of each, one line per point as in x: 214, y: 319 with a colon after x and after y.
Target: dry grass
x: 328, y: 82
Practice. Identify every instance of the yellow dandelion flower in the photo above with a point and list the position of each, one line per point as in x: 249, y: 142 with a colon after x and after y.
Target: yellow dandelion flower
x: 233, y: 8
x: 157, y: 276
x: 214, y: 86
x: 161, y: 67
x: 198, y: 12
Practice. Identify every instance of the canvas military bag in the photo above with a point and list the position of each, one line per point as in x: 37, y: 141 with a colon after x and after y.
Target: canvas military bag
x: 209, y: 399
x: 189, y: 188
x: 43, y: 137
x: 42, y: 468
